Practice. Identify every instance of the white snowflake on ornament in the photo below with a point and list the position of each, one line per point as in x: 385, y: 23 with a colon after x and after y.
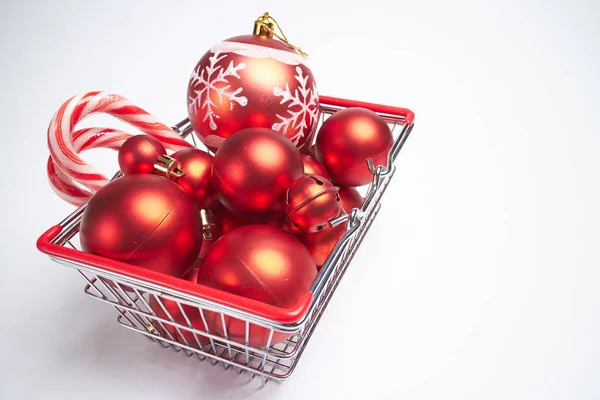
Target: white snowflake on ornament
x: 213, y: 78
x: 303, y: 104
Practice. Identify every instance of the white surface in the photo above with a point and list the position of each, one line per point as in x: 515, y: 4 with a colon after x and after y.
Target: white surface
x: 480, y: 278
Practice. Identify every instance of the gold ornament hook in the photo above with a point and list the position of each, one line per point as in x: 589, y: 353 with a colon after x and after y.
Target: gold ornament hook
x: 264, y: 26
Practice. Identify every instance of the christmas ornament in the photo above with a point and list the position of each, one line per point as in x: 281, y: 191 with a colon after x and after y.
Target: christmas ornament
x: 144, y: 220
x: 350, y: 198
x: 311, y: 202
x: 139, y: 153
x: 262, y: 263
x: 320, y: 244
x: 347, y: 139
x: 253, y: 81
x: 196, y: 165
x: 70, y: 177
x: 313, y: 167
x: 170, y: 311
x: 252, y: 170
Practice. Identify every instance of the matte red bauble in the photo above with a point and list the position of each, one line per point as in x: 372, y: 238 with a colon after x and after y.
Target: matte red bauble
x: 252, y: 81
x: 347, y: 139
x: 262, y: 263
x: 320, y: 244
x: 144, y: 220
x: 350, y: 198
x: 196, y: 165
x: 252, y: 170
x: 313, y: 167
x: 138, y: 154
x: 178, y: 334
x: 311, y: 202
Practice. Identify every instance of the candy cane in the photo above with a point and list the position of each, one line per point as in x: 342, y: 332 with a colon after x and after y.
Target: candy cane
x: 73, y: 179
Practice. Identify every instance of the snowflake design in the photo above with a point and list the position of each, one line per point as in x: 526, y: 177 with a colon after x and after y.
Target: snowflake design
x: 215, y: 78
x: 303, y: 104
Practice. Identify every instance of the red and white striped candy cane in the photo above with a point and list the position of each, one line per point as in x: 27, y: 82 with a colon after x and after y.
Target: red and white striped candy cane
x: 73, y: 179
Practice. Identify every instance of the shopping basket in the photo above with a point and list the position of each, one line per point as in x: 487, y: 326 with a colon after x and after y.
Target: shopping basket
x: 130, y: 290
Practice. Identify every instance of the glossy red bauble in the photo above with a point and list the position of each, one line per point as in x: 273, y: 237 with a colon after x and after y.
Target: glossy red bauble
x: 350, y: 198
x: 144, y: 220
x: 347, y: 139
x: 197, y: 164
x: 320, y: 244
x: 262, y: 263
x: 177, y: 333
x: 252, y: 170
x: 311, y: 202
x: 252, y: 81
x: 138, y: 154
x: 313, y: 167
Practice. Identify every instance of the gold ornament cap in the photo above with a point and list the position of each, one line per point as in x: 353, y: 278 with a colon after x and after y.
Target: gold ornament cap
x: 265, y: 26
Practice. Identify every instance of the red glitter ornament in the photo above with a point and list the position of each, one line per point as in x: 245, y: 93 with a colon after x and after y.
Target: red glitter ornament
x: 347, y: 139
x: 311, y: 202
x: 262, y: 263
x: 196, y: 165
x: 313, y: 167
x: 252, y: 81
x: 144, y: 220
x: 138, y: 154
x: 252, y: 170
x: 350, y: 198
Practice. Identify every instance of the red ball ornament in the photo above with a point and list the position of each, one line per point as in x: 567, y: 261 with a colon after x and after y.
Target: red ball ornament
x: 252, y: 170
x: 178, y: 334
x: 320, y: 244
x: 350, y: 198
x: 252, y: 81
x: 313, y: 167
x: 138, y: 154
x: 311, y: 202
x: 262, y: 263
x: 144, y: 220
x: 347, y: 139
x: 196, y: 165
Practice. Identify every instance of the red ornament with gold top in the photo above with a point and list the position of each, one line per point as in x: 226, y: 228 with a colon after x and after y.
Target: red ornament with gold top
x: 253, y: 81
x: 138, y: 154
x: 311, y: 202
x: 196, y: 166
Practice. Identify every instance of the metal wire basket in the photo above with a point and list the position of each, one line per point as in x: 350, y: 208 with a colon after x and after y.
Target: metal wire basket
x: 165, y: 309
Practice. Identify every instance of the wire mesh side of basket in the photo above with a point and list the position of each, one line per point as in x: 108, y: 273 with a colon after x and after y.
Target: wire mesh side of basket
x: 202, y: 329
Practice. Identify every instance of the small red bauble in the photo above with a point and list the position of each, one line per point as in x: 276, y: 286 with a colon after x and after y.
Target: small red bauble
x: 144, y: 220
x: 313, y: 167
x: 350, y: 198
x: 177, y: 334
x: 252, y: 81
x: 252, y: 170
x: 311, y: 202
x: 320, y: 244
x: 196, y: 165
x: 347, y: 139
x: 262, y: 263
x: 139, y: 153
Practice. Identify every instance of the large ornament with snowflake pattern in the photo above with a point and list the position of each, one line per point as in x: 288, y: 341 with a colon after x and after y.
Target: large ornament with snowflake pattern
x: 252, y: 81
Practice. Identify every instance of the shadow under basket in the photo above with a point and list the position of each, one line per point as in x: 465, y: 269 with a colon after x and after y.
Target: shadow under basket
x: 221, y: 328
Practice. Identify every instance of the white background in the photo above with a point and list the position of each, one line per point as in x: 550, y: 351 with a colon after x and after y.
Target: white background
x: 481, y: 276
